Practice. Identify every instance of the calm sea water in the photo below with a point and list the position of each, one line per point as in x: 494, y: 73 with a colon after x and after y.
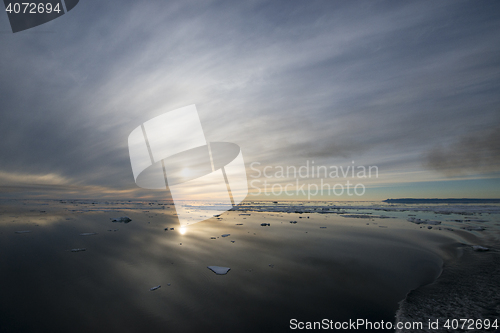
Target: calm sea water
x: 340, y: 261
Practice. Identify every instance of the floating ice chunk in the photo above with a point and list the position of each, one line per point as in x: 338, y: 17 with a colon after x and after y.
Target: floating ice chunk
x: 358, y: 216
x: 112, y: 229
x: 293, y: 222
x: 473, y: 228
x: 219, y: 270
x: 78, y: 250
x: 232, y: 241
x: 22, y: 231
x: 419, y: 221
x: 265, y: 224
x: 88, y: 233
x: 225, y: 235
x: 154, y: 288
x: 123, y: 219
x: 271, y: 265
x: 322, y: 227
x: 239, y: 223
x: 480, y: 248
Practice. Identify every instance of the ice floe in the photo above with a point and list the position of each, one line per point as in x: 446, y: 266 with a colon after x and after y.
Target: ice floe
x: 419, y: 221
x: 340, y: 209
x: 123, y: 219
x: 358, y: 216
x: 155, y: 288
x: 473, y: 228
x: 219, y: 270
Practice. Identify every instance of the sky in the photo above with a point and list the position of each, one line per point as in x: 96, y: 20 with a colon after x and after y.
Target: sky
x: 410, y: 87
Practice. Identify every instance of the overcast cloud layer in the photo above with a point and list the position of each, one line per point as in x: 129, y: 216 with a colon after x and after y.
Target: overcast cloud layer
x: 413, y: 87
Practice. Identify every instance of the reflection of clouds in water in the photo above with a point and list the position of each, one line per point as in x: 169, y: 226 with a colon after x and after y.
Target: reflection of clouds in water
x: 345, y: 269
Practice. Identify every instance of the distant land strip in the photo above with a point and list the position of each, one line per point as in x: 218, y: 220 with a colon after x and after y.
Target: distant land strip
x: 437, y: 201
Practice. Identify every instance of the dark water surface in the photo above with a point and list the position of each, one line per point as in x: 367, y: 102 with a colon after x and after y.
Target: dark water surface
x: 356, y: 267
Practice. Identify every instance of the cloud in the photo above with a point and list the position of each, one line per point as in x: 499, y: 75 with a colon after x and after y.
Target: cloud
x: 471, y: 154
x: 7, y: 178
x: 380, y: 83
